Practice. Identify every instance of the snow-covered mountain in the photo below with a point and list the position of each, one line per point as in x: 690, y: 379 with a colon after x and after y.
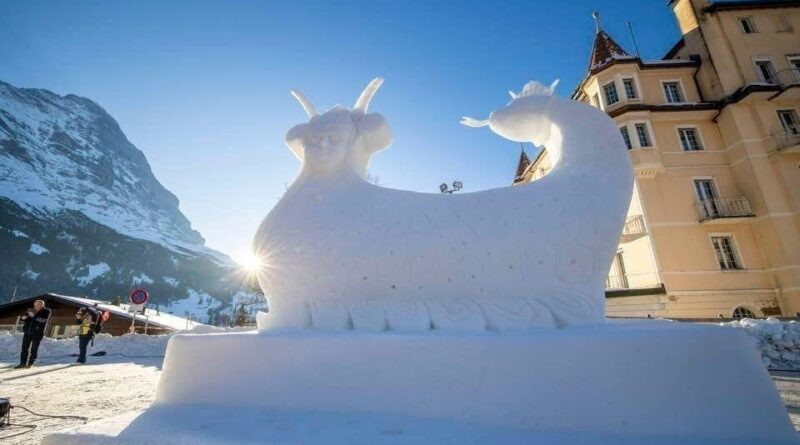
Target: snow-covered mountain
x: 69, y: 153
x: 81, y: 211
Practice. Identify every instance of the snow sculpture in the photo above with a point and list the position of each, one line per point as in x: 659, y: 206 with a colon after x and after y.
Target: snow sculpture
x: 340, y: 253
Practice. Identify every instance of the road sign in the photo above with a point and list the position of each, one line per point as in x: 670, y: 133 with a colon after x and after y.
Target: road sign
x: 139, y: 297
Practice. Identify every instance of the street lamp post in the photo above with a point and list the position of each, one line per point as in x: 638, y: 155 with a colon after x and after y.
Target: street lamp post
x: 457, y: 185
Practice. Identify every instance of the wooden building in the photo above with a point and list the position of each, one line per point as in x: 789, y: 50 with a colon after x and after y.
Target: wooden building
x: 62, y: 318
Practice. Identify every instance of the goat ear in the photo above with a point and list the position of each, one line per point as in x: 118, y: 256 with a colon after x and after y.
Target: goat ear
x: 374, y: 131
x: 294, y: 139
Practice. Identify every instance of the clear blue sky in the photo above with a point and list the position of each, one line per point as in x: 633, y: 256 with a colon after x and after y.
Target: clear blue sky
x: 202, y: 87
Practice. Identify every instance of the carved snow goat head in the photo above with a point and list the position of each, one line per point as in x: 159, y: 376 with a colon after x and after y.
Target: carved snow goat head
x: 522, y: 119
x: 339, y: 138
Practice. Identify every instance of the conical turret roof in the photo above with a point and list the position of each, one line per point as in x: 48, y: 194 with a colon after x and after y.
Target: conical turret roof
x: 524, y: 162
x: 604, y: 49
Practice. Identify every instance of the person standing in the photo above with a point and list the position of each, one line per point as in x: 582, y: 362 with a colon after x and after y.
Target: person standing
x: 32, y: 333
x: 85, y: 320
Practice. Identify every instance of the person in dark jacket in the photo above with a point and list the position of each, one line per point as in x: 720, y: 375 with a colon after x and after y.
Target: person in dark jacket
x: 32, y: 333
x: 85, y: 319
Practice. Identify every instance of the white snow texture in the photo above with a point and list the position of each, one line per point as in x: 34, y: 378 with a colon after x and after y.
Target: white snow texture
x: 777, y: 341
x: 130, y: 344
x: 341, y: 253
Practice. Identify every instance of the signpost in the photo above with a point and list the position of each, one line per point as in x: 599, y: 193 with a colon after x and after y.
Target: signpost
x: 138, y: 299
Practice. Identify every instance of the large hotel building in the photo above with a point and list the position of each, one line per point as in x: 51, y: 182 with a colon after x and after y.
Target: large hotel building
x: 713, y: 134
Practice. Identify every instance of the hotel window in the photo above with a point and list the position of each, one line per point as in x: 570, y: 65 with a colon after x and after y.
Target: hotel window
x: 673, y: 93
x: 794, y: 63
x: 617, y: 278
x: 747, y: 25
x: 789, y: 121
x: 766, y: 71
x: 705, y: 189
x: 743, y: 312
x: 643, y: 135
x: 726, y: 255
x: 630, y: 88
x: 690, y: 141
x: 707, y: 197
x: 610, y: 91
x: 780, y: 23
x: 626, y: 137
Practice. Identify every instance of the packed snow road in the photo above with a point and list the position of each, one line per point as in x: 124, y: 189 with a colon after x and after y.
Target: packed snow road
x: 106, y: 386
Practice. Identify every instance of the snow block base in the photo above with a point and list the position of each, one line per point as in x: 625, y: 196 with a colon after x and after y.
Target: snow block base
x: 616, y: 383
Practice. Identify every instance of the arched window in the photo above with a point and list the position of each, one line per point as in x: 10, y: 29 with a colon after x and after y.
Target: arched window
x: 743, y: 312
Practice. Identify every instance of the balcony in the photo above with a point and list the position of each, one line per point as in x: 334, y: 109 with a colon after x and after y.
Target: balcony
x: 788, y: 139
x: 628, y: 285
x: 646, y: 162
x: 785, y: 78
x: 633, y: 229
x: 724, y: 210
x: 789, y: 83
x: 617, y: 282
x: 623, y: 102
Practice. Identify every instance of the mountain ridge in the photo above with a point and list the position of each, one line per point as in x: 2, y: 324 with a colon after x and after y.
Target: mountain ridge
x: 82, y: 212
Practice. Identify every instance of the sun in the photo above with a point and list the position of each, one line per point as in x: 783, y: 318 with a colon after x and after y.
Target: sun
x: 249, y: 262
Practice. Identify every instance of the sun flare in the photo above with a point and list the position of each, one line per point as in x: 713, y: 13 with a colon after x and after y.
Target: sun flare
x: 249, y: 262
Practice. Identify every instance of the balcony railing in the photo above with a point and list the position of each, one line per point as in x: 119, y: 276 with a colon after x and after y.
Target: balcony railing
x: 787, y: 138
x: 634, y: 225
x: 632, y: 281
x: 633, y: 228
x: 719, y: 208
x: 785, y: 77
x: 617, y: 282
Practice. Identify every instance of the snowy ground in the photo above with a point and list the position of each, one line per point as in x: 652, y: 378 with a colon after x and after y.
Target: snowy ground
x: 106, y: 387
x: 125, y: 381
x: 778, y: 341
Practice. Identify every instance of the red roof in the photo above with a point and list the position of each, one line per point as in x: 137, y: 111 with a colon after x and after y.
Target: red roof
x: 604, y: 50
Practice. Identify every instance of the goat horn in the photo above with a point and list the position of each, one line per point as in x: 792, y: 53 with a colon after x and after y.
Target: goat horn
x: 305, y: 103
x: 366, y: 96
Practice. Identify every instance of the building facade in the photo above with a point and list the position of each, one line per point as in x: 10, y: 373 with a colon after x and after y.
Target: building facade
x: 713, y: 134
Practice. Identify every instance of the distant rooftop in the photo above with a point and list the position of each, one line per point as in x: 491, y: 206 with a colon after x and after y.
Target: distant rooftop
x: 158, y: 318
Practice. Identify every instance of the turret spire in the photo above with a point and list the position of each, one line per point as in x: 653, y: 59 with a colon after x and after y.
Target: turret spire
x: 596, y: 17
x: 605, y: 49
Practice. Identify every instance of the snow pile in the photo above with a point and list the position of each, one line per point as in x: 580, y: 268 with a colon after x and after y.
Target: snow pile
x: 195, y: 305
x: 93, y: 272
x: 136, y: 345
x: 38, y: 249
x: 142, y: 279
x: 777, y: 341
